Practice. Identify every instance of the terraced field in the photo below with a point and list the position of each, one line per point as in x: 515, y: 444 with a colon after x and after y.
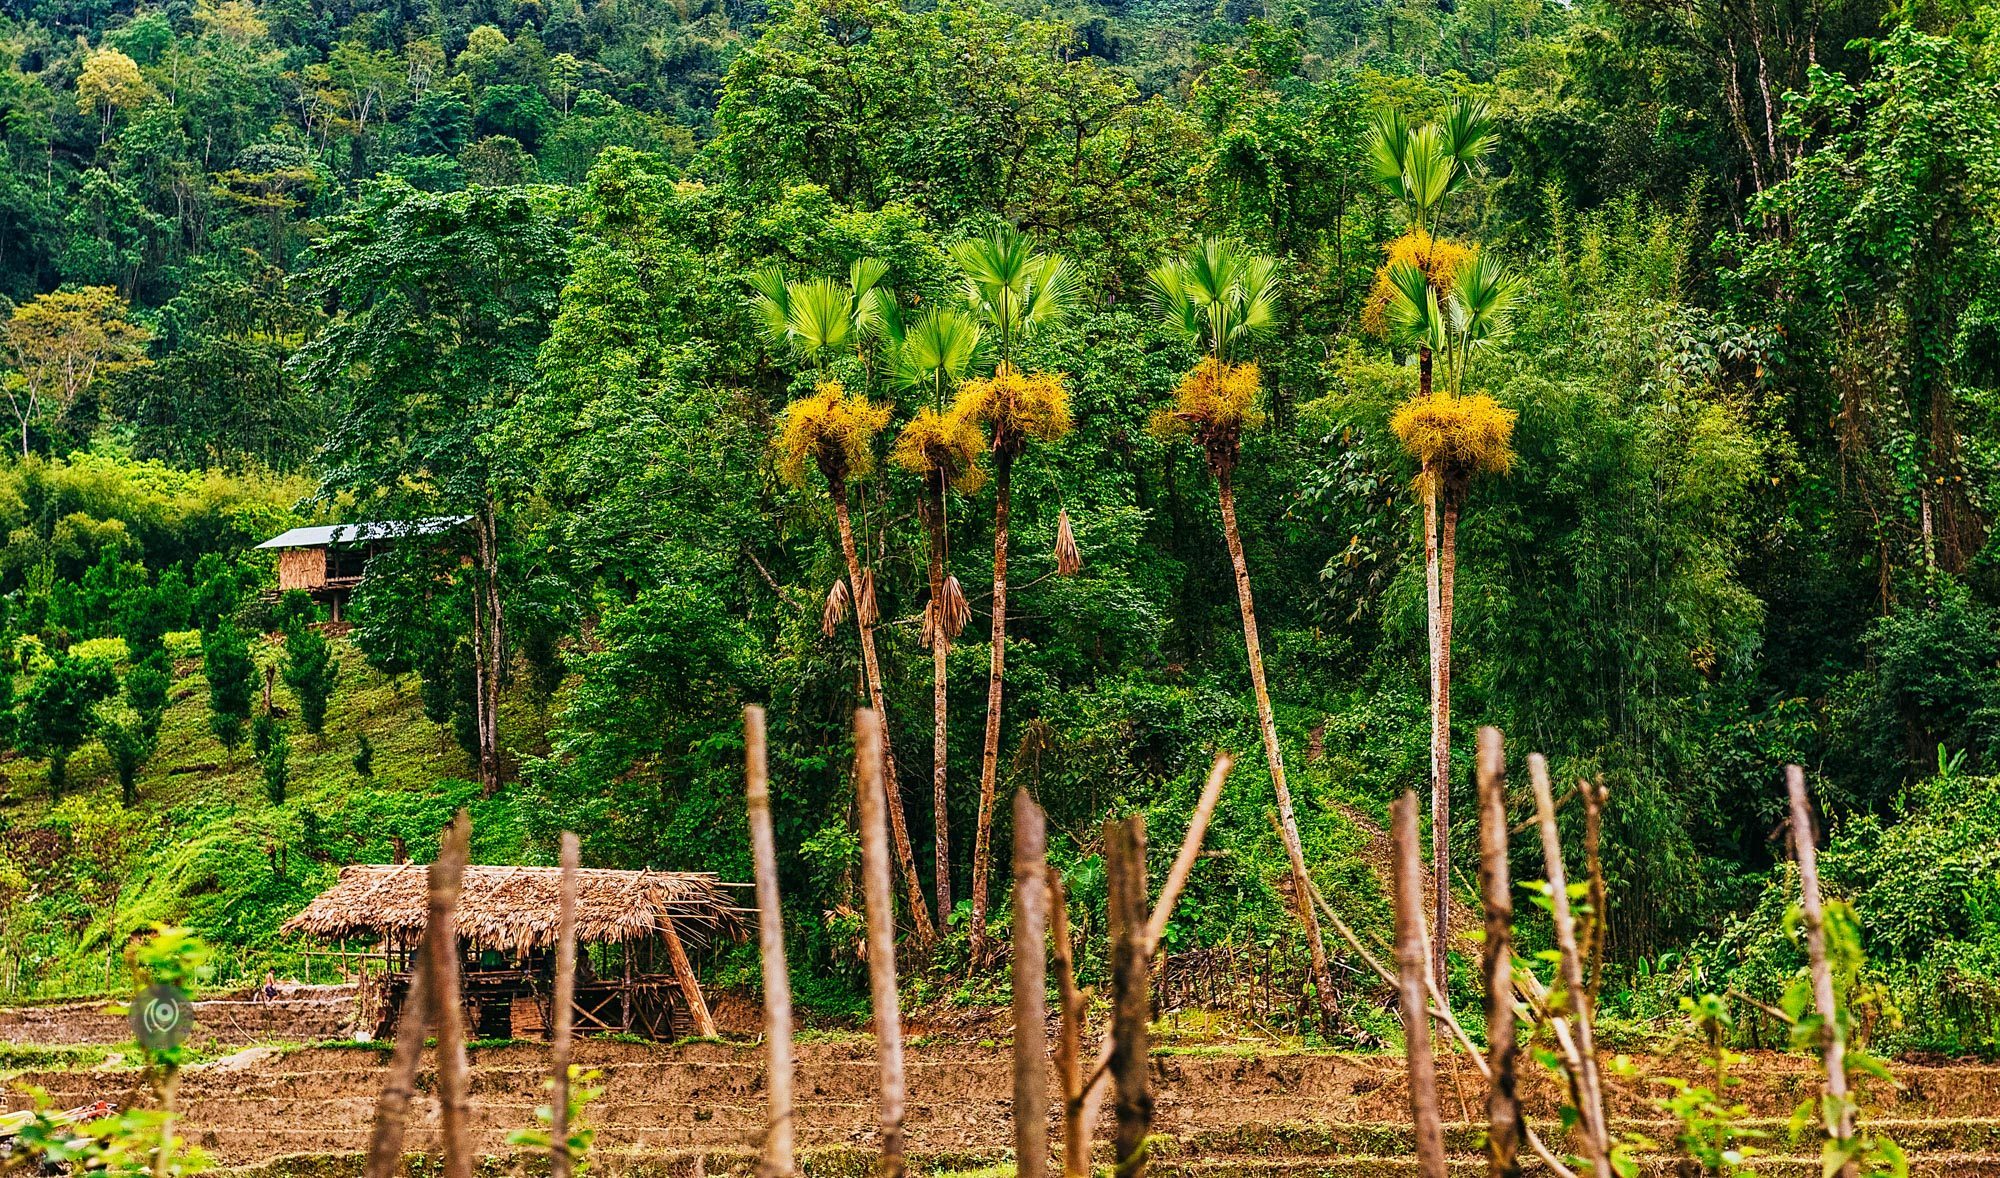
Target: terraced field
x: 698, y: 1109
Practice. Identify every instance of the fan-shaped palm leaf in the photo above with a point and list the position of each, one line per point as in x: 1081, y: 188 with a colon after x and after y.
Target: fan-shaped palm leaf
x: 1217, y: 295
x: 1414, y: 317
x: 1388, y: 145
x: 935, y: 352
x: 1014, y: 288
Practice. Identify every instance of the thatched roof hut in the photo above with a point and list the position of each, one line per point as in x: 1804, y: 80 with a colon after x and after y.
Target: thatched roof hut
x: 514, y: 908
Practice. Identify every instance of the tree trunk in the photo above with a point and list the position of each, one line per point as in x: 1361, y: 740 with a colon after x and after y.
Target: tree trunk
x: 1443, y: 562
x: 872, y: 671
x: 989, y: 763
x: 1125, y: 909
x: 486, y: 646
x: 1294, y: 850
x: 940, y: 646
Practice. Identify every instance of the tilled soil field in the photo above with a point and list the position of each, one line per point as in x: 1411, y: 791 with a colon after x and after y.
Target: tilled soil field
x: 699, y: 1108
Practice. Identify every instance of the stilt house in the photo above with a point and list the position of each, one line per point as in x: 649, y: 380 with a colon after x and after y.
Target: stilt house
x: 328, y: 561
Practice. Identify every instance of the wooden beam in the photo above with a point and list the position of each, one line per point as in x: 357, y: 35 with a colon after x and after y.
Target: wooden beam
x: 704, y: 1022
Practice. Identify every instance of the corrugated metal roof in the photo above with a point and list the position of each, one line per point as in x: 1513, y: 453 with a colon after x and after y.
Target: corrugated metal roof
x: 328, y: 535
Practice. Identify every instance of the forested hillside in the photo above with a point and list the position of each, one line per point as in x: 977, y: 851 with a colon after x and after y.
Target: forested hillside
x: 1007, y: 365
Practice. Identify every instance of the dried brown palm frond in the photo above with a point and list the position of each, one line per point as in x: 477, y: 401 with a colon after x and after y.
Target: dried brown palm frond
x: 837, y: 602
x: 865, y: 606
x: 946, y: 616
x: 1069, y: 558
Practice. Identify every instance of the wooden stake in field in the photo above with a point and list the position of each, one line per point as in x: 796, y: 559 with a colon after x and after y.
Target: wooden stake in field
x: 777, y: 1160
x: 1413, y: 964
x: 1125, y: 878
x: 1031, y: 926
x: 1833, y: 1047
x: 447, y: 1015
x: 1573, y: 1034
x: 881, y: 935
x: 392, y: 1108
x: 1496, y: 965
x: 1080, y: 1111
x: 562, y: 1014
x: 1069, y: 1040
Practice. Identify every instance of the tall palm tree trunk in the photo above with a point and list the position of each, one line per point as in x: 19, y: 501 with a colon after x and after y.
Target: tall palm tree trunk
x: 940, y: 643
x: 1439, y: 598
x: 1294, y: 851
x: 989, y: 763
x: 898, y: 827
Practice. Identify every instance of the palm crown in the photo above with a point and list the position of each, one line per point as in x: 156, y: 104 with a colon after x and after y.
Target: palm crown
x: 1015, y: 288
x: 1476, y: 312
x: 1422, y: 167
x: 815, y: 316
x: 1218, y: 295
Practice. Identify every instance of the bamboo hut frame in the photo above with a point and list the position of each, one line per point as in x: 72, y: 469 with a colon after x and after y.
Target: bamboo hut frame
x: 641, y: 924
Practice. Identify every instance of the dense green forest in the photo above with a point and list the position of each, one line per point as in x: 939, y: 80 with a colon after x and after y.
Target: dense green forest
x: 738, y: 333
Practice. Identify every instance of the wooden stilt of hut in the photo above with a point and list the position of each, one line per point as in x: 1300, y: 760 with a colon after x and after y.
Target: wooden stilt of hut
x: 637, y: 936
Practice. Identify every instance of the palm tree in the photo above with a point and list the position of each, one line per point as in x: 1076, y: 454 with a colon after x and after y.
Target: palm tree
x: 1222, y: 298
x: 1422, y: 169
x: 942, y: 446
x: 834, y: 431
x: 1453, y: 437
x: 1016, y: 291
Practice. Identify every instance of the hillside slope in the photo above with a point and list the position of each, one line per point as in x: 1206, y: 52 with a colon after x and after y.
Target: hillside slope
x: 206, y: 847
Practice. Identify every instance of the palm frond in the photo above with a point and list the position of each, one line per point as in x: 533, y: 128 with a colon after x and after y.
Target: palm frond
x: 1469, y: 133
x: 819, y: 315
x: 1414, y: 317
x: 772, y: 303
x: 1388, y: 145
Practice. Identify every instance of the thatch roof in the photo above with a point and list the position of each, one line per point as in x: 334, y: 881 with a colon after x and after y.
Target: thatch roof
x: 514, y: 908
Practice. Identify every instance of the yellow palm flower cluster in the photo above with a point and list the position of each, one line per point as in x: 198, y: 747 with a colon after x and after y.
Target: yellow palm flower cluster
x: 949, y: 442
x: 1456, y: 437
x: 1440, y: 258
x: 1216, y: 402
x: 1016, y: 407
x: 831, y: 430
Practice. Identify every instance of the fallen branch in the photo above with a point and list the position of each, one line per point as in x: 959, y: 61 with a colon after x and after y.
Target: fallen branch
x: 1579, y: 1049
x: 1496, y: 963
x: 1833, y: 1045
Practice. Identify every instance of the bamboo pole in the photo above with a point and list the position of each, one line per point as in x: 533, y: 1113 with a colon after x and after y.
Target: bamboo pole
x: 1031, y: 921
x: 1125, y: 876
x: 1099, y: 1078
x: 1833, y: 1046
x: 1412, y: 965
x: 563, y: 1014
x: 881, y: 936
x: 777, y: 1160
x: 392, y: 1108
x: 1444, y: 1018
x: 447, y: 1015
x: 1069, y: 1040
x: 1503, y: 1102
x: 1578, y: 1045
